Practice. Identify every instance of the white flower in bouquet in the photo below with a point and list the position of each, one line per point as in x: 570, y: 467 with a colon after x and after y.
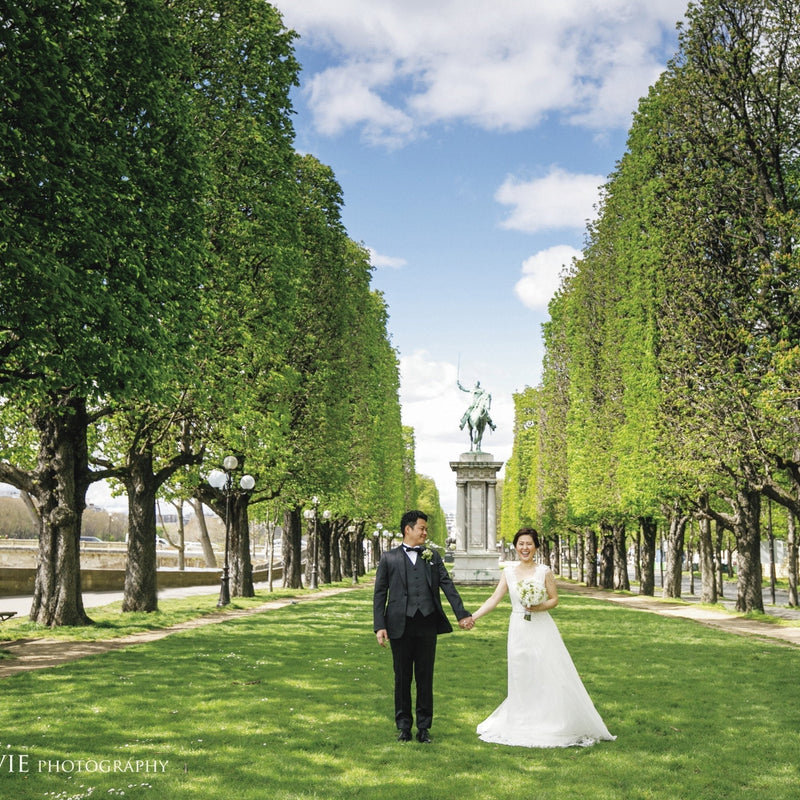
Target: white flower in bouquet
x: 531, y: 593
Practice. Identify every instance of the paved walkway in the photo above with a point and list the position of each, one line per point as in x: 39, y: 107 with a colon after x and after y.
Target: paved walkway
x: 32, y: 654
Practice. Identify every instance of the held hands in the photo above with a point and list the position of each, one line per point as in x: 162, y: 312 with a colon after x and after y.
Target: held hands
x: 467, y: 623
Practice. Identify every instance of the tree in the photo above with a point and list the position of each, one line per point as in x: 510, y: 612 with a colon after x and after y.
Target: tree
x: 242, y: 70
x: 730, y: 161
x: 100, y: 235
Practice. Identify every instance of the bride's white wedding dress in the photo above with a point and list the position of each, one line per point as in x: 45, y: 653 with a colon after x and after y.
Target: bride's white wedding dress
x: 547, y: 704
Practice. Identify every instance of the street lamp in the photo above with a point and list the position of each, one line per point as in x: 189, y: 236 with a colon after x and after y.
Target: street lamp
x: 309, y: 514
x: 222, y: 479
x: 351, y: 529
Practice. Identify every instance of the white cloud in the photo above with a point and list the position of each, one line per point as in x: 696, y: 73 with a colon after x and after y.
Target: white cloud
x: 424, y: 379
x: 347, y: 96
x: 433, y: 405
x: 400, y: 65
x: 385, y: 262
x: 541, y: 275
x: 558, y: 200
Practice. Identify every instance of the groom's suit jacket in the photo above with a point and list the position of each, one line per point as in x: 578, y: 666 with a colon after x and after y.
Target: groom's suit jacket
x: 391, y: 592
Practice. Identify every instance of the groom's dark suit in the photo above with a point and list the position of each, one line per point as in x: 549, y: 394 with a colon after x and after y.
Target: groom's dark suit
x: 408, y: 606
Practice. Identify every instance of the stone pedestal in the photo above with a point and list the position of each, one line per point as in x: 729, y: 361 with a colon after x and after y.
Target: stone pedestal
x: 476, y: 558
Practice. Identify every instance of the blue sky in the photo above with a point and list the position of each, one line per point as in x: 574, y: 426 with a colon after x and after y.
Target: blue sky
x: 470, y: 139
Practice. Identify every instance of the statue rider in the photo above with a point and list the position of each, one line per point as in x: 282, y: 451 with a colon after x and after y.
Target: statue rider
x: 478, y: 410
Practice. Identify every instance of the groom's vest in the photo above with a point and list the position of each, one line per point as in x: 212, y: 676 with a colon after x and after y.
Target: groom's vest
x: 419, y: 591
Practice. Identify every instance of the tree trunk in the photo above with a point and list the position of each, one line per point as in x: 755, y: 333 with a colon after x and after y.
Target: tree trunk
x: 141, y: 590
x: 205, y: 539
x: 324, y: 543
x: 747, y: 530
x: 178, y: 504
x: 336, y: 552
x: 287, y: 551
x: 545, y: 551
x: 555, y: 555
x: 621, y: 579
x: 310, y: 544
x: 647, y: 571
x: 33, y: 511
x: 356, y: 554
x: 718, y: 556
x: 791, y: 543
x: 591, y: 557
x: 771, y: 540
x: 142, y: 485
x: 62, y: 476
x: 606, y: 577
x: 292, y: 550
x: 708, y: 579
x: 347, y: 553
x: 676, y: 531
x: 569, y: 555
x: 581, y: 553
x: 240, y: 563
x: 360, y: 553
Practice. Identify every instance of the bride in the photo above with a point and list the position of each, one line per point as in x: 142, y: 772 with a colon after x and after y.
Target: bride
x: 547, y: 704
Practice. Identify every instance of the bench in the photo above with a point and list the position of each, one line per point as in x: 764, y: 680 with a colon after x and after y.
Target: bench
x: 4, y: 615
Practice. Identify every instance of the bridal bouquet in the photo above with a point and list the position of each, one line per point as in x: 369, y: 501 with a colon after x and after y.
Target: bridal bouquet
x: 531, y: 593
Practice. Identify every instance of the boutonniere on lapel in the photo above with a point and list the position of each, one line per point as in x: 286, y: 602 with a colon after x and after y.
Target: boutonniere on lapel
x: 427, y: 553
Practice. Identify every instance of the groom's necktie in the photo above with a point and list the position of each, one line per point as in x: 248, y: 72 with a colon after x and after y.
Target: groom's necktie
x: 409, y: 549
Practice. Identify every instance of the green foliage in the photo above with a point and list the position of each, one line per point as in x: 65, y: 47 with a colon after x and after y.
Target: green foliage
x: 175, y: 266
x: 100, y: 179
x: 409, y: 469
x: 428, y: 501
x: 671, y: 362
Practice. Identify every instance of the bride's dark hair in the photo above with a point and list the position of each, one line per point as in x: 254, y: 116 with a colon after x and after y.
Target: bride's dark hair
x: 532, y: 532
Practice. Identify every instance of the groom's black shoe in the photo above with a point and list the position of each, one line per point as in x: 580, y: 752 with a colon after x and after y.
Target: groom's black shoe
x: 423, y: 736
x: 404, y: 735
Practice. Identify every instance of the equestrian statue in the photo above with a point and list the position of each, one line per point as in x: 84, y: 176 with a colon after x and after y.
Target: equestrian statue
x: 476, y: 417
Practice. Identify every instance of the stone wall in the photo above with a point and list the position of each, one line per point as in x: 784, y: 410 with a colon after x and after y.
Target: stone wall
x: 96, y: 555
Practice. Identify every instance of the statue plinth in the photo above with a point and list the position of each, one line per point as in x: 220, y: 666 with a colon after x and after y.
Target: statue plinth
x: 476, y: 559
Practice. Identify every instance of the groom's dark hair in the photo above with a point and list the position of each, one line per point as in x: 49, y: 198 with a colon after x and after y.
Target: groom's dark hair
x: 410, y: 518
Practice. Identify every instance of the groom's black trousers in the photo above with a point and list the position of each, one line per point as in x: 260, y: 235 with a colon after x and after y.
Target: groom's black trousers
x: 414, y: 654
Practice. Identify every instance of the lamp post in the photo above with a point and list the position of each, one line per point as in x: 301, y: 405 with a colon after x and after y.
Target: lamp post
x: 351, y: 529
x: 326, y: 515
x: 222, y: 479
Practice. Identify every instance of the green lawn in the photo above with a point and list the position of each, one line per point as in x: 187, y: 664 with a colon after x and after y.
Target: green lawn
x: 297, y: 703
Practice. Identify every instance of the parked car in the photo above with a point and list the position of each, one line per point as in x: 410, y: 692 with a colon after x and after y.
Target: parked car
x: 161, y: 542
x: 90, y: 539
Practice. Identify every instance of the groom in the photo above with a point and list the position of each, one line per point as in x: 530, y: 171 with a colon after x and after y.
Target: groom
x: 410, y: 576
